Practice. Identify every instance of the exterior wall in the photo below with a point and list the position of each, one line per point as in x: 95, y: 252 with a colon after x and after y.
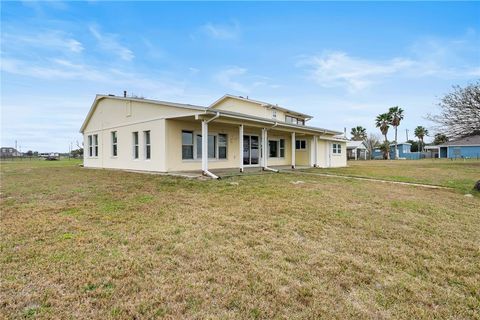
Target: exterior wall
x: 124, y: 158
x: 325, y: 156
x: 463, y: 152
x: 126, y: 117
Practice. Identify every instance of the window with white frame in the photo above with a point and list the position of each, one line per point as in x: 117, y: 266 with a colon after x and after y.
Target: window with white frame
x: 90, y: 146
x: 94, y: 145
x: 282, y: 148
x: 274, y: 114
x: 294, y: 120
x: 301, y: 144
x: 146, y: 140
x: 222, y: 146
x: 135, y: 145
x: 192, y: 146
x: 337, y: 148
x: 114, y: 144
x: 276, y: 148
x: 187, y: 145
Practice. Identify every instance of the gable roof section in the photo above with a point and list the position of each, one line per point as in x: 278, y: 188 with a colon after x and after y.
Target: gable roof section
x: 466, y: 141
x: 260, y: 103
x: 352, y: 144
x: 99, y: 97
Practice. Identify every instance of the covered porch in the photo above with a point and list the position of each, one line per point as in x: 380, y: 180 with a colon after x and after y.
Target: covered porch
x: 217, y: 145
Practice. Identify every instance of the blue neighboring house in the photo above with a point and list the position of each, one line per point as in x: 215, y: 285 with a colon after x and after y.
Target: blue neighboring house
x: 464, y: 148
x: 404, y: 152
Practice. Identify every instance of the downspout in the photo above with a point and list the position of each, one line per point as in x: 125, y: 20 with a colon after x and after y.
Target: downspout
x: 206, y: 172
x: 265, y: 168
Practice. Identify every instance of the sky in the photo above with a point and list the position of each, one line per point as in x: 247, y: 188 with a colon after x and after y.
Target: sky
x: 343, y: 63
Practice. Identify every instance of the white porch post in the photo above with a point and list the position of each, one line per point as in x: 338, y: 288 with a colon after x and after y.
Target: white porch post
x: 355, y: 153
x: 204, y: 146
x: 293, y: 150
x: 365, y: 154
x: 315, y: 156
x: 240, y: 143
x: 264, y: 148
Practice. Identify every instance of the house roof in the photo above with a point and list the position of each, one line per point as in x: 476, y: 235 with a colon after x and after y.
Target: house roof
x: 99, y: 97
x: 466, y: 141
x: 355, y: 145
x: 261, y: 103
x: 231, y: 114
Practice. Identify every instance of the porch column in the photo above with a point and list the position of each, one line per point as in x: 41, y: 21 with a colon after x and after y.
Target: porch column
x: 315, y: 149
x: 293, y: 150
x: 355, y: 153
x: 365, y: 154
x: 240, y: 143
x: 264, y: 148
x: 204, y: 146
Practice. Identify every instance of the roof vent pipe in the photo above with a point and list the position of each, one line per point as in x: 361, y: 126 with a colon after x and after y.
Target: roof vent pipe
x: 124, y: 93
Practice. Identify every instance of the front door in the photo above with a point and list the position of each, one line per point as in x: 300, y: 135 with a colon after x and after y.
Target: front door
x: 250, y: 150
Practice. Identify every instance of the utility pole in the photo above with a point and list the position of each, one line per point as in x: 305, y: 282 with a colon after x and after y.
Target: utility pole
x: 406, y: 131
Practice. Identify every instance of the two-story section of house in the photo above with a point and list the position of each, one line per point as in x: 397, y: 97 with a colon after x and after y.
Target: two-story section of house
x: 233, y: 132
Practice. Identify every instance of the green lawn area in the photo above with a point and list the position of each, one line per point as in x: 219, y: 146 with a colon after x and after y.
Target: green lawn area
x: 457, y: 174
x: 98, y: 244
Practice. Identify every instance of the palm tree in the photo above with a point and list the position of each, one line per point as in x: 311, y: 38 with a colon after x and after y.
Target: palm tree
x: 396, y: 115
x: 420, y: 133
x: 383, y: 122
x: 358, y: 133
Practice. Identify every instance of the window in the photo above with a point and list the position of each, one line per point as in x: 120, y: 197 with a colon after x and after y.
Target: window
x: 90, y: 146
x: 135, y: 145
x: 274, y: 114
x: 301, y: 144
x: 146, y: 139
x: 294, y: 120
x: 114, y: 144
x: 212, y: 146
x: 337, y: 148
x: 282, y: 148
x: 187, y: 145
x: 93, y: 145
x: 222, y: 146
x: 192, y: 147
x: 273, y: 148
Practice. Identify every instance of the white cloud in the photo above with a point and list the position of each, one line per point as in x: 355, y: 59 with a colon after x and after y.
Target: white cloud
x: 222, y: 31
x: 339, y: 69
x: 46, y: 39
x: 109, y: 43
x: 229, y: 79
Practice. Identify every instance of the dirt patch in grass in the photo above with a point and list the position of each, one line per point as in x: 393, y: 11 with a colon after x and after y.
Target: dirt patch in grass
x: 79, y: 243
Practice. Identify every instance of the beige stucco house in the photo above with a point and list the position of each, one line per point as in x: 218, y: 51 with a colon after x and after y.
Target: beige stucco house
x: 141, y: 134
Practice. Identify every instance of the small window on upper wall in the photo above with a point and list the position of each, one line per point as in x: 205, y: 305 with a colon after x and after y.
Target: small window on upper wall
x: 274, y: 113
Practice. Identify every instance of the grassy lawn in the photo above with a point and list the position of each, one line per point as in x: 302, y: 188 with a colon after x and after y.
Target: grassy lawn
x: 97, y: 244
x: 458, y: 174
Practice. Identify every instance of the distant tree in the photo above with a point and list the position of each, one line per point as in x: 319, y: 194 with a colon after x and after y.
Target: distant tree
x: 29, y: 153
x: 383, y: 122
x: 440, y: 138
x: 385, y: 147
x: 372, y: 142
x: 396, y: 115
x: 358, y: 133
x: 77, y: 153
x: 460, y: 112
x: 414, y: 145
x: 420, y: 132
